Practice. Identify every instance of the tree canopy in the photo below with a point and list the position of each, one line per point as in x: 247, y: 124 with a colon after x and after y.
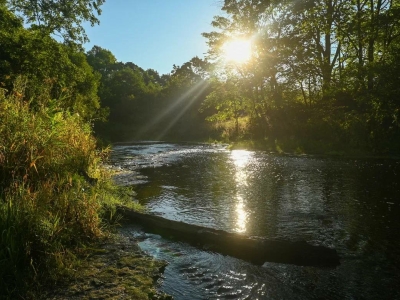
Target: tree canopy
x: 64, y: 18
x: 316, y: 71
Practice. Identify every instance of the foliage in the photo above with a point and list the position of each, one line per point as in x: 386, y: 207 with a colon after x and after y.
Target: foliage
x: 64, y: 18
x: 322, y: 72
x: 229, y: 102
x: 49, y: 203
x: 102, y: 60
x: 126, y: 90
x: 53, y: 70
x: 178, y: 114
x: 145, y: 105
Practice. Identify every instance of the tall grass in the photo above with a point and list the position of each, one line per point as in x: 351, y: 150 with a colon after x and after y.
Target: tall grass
x: 48, y: 208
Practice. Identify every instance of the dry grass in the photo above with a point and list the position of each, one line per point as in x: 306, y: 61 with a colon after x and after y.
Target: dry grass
x: 49, y: 205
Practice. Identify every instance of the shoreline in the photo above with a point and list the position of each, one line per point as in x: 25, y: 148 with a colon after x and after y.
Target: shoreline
x: 116, y: 269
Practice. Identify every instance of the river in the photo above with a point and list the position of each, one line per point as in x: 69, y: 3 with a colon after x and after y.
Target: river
x: 352, y: 205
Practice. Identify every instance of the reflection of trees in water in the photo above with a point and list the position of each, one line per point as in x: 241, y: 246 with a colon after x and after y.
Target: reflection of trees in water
x: 322, y: 200
x: 200, y: 184
x: 340, y: 203
x: 370, y: 208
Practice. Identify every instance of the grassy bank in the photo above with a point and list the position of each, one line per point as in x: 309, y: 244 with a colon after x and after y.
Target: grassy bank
x: 55, y: 199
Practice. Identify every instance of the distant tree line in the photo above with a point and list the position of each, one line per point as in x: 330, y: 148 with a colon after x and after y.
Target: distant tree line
x: 146, y: 105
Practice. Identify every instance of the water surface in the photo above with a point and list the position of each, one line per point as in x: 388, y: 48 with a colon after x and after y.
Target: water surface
x: 351, y: 205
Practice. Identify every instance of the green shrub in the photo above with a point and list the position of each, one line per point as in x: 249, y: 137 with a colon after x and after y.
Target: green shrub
x: 50, y: 204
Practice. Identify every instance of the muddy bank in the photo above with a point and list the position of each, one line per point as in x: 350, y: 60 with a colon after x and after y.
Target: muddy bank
x: 116, y: 269
x: 254, y: 250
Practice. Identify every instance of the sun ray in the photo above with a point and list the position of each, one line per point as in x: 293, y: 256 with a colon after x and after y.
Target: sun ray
x: 184, y: 101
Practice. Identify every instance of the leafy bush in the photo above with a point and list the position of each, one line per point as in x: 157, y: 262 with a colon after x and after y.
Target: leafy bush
x: 50, y: 203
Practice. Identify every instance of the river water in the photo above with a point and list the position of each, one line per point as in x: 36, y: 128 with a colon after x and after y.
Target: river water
x: 351, y: 205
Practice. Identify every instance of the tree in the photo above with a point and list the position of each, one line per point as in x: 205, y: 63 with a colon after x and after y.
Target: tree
x: 62, y: 17
x: 176, y: 112
x: 318, y: 62
x: 228, y: 101
x: 101, y: 60
x: 52, y: 70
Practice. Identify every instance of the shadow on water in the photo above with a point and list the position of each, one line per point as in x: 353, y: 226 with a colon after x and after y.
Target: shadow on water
x: 347, y: 204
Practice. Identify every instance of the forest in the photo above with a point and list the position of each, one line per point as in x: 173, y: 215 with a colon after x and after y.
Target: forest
x: 320, y: 77
x: 317, y: 76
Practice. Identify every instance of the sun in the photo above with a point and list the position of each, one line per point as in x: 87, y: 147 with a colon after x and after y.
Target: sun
x: 237, y: 50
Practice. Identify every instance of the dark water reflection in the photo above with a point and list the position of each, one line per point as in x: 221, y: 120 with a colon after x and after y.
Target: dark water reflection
x: 351, y: 205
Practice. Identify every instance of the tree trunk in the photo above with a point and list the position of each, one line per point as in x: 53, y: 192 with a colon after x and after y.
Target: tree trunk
x: 254, y: 250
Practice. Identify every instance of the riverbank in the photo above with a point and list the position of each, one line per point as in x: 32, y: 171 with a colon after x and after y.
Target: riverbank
x: 57, y: 202
x: 116, y: 268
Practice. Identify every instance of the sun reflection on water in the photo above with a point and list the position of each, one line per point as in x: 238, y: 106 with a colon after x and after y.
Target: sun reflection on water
x: 241, y: 214
x: 240, y: 157
x: 240, y: 160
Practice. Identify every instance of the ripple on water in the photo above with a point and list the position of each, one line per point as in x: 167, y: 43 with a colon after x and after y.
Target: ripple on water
x: 206, y: 275
x: 351, y: 205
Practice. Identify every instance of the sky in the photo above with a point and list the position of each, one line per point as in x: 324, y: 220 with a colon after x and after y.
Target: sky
x: 154, y: 34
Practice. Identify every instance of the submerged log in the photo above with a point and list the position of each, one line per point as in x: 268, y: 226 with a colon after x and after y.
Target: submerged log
x: 254, y: 250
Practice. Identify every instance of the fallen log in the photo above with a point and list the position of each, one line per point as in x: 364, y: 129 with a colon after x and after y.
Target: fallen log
x: 254, y: 250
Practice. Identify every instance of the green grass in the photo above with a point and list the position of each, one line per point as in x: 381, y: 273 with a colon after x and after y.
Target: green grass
x: 49, y: 206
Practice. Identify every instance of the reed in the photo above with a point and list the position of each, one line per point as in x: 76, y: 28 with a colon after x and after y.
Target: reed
x: 54, y: 195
